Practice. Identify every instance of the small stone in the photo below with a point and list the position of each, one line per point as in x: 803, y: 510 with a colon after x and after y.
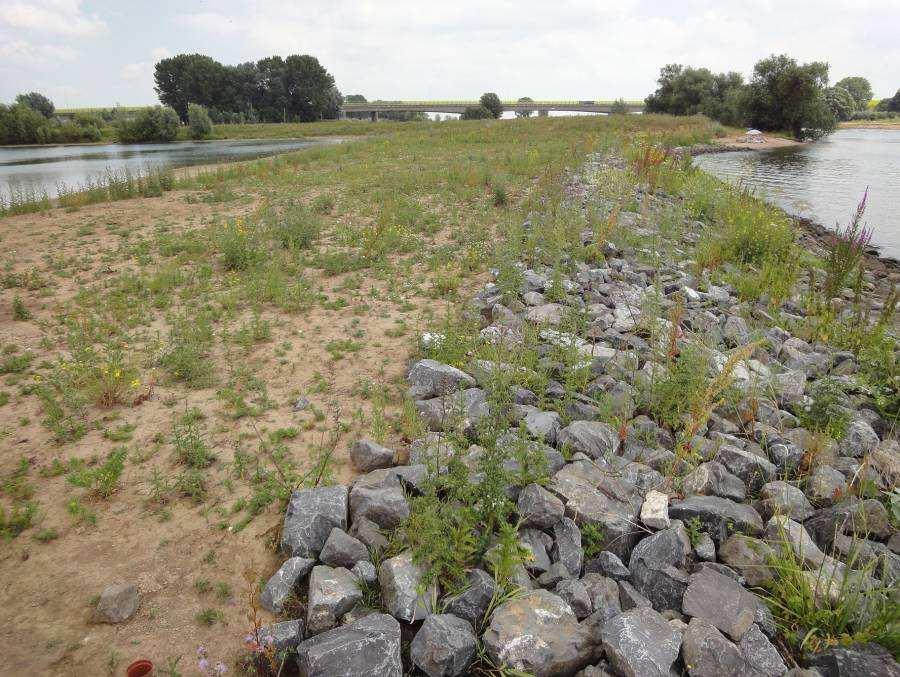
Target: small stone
x: 713, y: 479
x: 444, y: 646
x: 720, y: 601
x: 655, y: 510
x: 117, y: 603
x: 640, y: 643
x: 705, y: 547
x: 284, y: 636
x: 368, y: 455
x: 401, y: 589
x: 284, y: 582
x: 342, y: 550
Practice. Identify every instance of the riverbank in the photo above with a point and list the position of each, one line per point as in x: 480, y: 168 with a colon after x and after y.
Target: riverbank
x: 871, y: 124
x: 174, y: 367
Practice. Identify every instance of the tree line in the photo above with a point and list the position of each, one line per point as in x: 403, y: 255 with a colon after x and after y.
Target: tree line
x: 296, y: 88
x: 781, y: 95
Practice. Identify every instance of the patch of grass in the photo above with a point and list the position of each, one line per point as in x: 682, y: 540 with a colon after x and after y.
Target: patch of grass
x: 103, y: 480
x: 209, y: 617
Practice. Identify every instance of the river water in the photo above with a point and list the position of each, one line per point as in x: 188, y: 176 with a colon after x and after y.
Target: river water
x: 824, y: 181
x: 47, y: 168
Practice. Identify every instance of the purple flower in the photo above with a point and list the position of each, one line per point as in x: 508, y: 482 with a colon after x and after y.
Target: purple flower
x: 201, y: 651
x: 221, y: 669
x: 203, y: 665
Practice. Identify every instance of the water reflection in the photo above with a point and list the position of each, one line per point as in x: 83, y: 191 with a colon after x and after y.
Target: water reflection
x: 824, y: 181
x: 47, y: 168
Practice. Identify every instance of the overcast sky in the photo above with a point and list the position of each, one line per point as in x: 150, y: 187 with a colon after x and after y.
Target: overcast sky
x: 99, y: 53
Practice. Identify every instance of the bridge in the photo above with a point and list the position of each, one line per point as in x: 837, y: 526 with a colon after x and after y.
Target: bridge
x: 542, y: 108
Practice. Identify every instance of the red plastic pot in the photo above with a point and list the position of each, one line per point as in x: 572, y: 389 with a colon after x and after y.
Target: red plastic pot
x: 139, y: 668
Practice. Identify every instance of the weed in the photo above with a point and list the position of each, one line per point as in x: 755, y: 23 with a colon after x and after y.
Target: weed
x: 209, y: 617
x: 593, y: 540
x: 190, y: 448
x: 102, y: 481
x: 19, y: 312
x: 80, y: 513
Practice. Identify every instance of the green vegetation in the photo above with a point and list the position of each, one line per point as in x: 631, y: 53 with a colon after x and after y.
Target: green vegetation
x: 30, y: 121
x: 781, y: 95
x: 199, y: 124
x: 274, y: 89
x: 159, y: 123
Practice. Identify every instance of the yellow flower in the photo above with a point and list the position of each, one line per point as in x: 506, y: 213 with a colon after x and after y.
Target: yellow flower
x: 135, y: 383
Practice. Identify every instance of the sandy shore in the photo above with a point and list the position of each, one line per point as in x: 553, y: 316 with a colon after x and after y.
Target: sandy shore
x: 768, y: 142
x: 871, y: 124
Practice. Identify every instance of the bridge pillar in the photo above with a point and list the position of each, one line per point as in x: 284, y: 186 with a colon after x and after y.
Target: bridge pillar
x: 543, y: 113
x: 342, y: 114
x: 374, y: 116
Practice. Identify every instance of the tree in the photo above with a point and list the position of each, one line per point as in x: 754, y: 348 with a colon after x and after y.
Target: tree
x: 890, y: 104
x: 37, y: 102
x: 191, y: 78
x: 492, y: 102
x: 199, y: 124
x: 476, y: 113
x: 859, y: 88
x: 784, y: 95
x: 156, y: 123
x: 689, y: 91
x: 333, y: 104
x: 525, y: 113
x: 356, y: 98
x: 840, y: 102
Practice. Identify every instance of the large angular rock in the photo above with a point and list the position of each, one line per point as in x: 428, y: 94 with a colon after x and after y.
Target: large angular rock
x: 781, y: 498
x: 593, y: 438
x: 117, y: 604
x: 368, y: 646
x: 761, y: 654
x: 369, y: 534
x: 283, y: 582
x: 707, y: 653
x: 858, y: 660
x: 539, y: 508
x: 576, y: 595
x: 368, y: 455
x: 640, y: 643
x: 430, y: 378
x: 655, y: 566
x: 538, y: 634
x: 550, y: 314
x: 542, y: 425
x: 754, y: 470
x: 444, y: 646
x: 385, y: 506
x: 402, y: 589
x: 460, y: 412
x: 595, y: 496
x: 332, y: 593
x: 713, y: 479
x: 536, y: 544
x: 310, y: 517
x: 342, y: 550
x: 282, y: 636
x: 604, y: 596
x: 567, y: 548
x: 783, y: 532
x: 721, y: 602
x: 473, y: 602
x: 858, y: 440
x: 718, y: 516
x: 750, y: 557
x: 866, y: 519
x: 826, y: 485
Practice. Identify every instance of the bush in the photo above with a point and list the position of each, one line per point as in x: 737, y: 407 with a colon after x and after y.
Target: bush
x: 37, y: 102
x: 476, y: 113
x: 491, y: 102
x: 159, y: 123
x: 199, y: 123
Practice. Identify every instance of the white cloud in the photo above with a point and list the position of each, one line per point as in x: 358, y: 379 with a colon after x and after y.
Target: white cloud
x: 55, y: 17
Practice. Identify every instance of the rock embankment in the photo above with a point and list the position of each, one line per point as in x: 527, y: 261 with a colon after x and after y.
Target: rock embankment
x: 646, y: 550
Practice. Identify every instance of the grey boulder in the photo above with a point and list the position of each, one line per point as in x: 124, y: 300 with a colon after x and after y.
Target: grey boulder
x: 444, y: 646
x: 311, y: 515
x: 640, y: 643
x: 332, y: 593
x: 117, y: 603
x: 402, y: 589
x: 721, y: 602
x: 538, y: 507
x: 342, y: 550
x: 538, y: 634
x: 707, y: 653
x: 472, y: 603
x: 430, y: 378
x: 283, y: 582
x: 368, y: 455
x: 593, y: 438
x: 368, y: 646
x: 718, y: 516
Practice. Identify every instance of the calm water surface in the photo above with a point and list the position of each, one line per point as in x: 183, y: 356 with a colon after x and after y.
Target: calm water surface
x: 48, y: 168
x: 825, y: 180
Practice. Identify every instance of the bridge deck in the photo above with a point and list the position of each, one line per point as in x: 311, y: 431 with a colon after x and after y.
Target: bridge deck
x: 460, y: 106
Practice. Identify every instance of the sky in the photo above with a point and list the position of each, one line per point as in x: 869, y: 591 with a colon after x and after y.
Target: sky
x: 101, y: 53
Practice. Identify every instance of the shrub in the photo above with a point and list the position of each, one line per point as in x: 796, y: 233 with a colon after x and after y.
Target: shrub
x: 159, y: 123
x: 492, y: 103
x: 37, y: 102
x: 476, y: 113
x: 845, y: 250
x: 199, y: 124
